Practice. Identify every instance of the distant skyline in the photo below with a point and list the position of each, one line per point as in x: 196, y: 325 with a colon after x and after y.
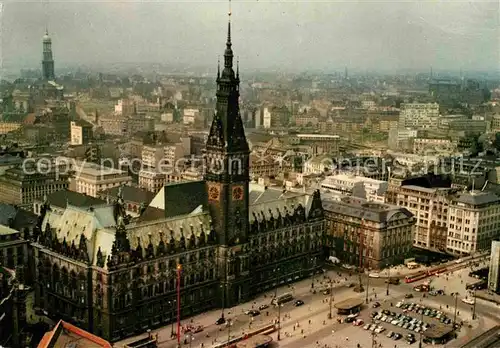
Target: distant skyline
x: 267, y: 35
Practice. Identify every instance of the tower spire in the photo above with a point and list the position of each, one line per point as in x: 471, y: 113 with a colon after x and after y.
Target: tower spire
x: 229, y: 24
x: 228, y: 54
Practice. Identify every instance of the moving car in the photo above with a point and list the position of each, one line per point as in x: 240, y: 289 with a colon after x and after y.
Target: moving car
x: 298, y: 303
x: 393, y: 281
x: 390, y: 334
x: 263, y: 306
x: 409, y: 296
x: 468, y: 300
x: 220, y: 321
x: 376, y: 305
x: 253, y: 313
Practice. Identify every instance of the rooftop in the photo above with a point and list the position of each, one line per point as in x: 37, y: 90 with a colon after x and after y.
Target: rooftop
x: 65, y: 335
x: 438, y: 330
x: 130, y: 194
x: 5, y: 230
x: 96, y: 169
x: 362, y: 209
x: 319, y: 136
x: 349, y: 303
x: 352, y: 178
x: 64, y: 197
x: 476, y: 198
x: 255, y: 341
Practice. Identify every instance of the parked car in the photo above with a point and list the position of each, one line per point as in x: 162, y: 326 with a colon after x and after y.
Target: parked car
x: 397, y: 336
x: 376, y: 305
x: 366, y: 327
x: 379, y: 329
x: 358, y: 322
x: 390, y: 334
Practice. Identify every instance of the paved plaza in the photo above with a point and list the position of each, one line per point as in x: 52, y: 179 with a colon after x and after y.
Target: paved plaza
x: 308, y: 325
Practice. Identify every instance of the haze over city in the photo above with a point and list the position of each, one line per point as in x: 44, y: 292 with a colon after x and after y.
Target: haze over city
x: 284, y: 35
x: 249, y: 174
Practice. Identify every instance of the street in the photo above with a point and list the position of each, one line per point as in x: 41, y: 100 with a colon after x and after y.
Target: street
x: 308, y: 325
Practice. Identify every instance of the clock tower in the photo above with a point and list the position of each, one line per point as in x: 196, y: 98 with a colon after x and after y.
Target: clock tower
x: 227, y: 158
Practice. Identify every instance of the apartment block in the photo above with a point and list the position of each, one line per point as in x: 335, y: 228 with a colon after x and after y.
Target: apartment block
x: 419, y: 116
x: 459, y: 223
x: 474, y: 222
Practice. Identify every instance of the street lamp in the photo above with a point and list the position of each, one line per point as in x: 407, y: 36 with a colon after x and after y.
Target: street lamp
x: 331, y: 299
x: 367, y: 287
x: 277, y: 278
x: 388, y: 280
x: 455, y: 312
x: 313, y: 259
x: 229, y: 324
x: 279, y: 321
x: 172, y: 306
x: 474, y: 306
x: 420, y: 336
x: 223, y: 293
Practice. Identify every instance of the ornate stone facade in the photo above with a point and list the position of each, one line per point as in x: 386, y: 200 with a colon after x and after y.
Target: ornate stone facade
x: 115, y: 277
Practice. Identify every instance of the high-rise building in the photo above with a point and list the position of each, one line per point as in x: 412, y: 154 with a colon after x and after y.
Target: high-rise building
x: 213, y: 242
x: 48, y: 60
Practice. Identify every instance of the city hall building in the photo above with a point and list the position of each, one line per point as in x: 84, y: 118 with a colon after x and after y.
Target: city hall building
x: 116, y: 277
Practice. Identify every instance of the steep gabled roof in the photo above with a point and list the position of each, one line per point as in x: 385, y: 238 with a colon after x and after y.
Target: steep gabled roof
x: 66, y: 335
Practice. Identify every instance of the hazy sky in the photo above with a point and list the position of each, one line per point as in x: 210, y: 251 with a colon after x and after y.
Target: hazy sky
x: 266, y: 34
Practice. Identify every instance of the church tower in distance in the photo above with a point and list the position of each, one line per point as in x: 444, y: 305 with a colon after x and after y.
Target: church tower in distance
x: 47, y: 61
x: 227, y: 158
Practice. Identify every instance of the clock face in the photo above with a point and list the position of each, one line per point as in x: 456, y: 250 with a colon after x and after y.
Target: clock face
x: 237, y: 193
x: 213, y: 193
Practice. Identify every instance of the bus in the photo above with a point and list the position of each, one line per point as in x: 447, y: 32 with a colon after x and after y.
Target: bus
x: 282, y: 299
